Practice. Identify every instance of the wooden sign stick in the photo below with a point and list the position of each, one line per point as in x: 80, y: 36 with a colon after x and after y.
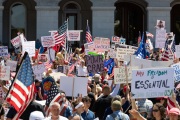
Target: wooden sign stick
x: 126, y: 73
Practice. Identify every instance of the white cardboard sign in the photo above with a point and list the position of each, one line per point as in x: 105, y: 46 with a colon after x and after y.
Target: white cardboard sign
x: 29, y: 47
x: 4, y: 73
x: 47, y: 41
x: 12, y: 64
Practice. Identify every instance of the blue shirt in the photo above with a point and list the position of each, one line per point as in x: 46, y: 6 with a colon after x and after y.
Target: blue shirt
x: 119, y: 114
x: 68, y: 112
x: 88, y: 116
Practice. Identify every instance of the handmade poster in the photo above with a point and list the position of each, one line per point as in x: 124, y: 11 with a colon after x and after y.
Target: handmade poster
x: 115, y: 39
x: 74, y: 86
x: 120, y: 52
x: 160, y: 38
x: 73, y: 35
x: 3, y: 51
x: 47, y: 41
x: 176, y: 71
x: 16, y: 42
x: 120, y: 74
x: 4, y: 73
x: 177, y: 51
x: 38, y: 71
x: 29, y: 46
x: 101, y: 44
x: 152, y: 83
x: 94, y: 64
x: 111, y: 53
x: 122, y: 40
x: 51, y: 54
x: 12, y: 64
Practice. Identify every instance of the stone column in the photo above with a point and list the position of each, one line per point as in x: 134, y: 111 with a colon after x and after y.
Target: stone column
x: 103, y: 18
x: 47, y: 16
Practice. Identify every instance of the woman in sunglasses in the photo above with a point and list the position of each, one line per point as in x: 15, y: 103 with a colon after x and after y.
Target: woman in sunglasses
x: 158, y: 112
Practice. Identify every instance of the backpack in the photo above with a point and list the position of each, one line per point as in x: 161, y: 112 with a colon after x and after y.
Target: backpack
x: 115, y: 117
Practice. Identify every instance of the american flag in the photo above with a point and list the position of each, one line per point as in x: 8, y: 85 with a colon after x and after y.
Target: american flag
x: 21, y: 92
x: 88, y: 34
x: 53, y: 96
x: 60, y: 35
x: 149, y: 34
x: 170, y: 104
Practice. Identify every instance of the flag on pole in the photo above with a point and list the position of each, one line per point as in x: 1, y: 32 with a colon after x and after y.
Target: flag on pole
x: 21, y: 92
x: 141, y: 52
x: 60, y: 35
x: 88, y: 34
x: 53, y: 96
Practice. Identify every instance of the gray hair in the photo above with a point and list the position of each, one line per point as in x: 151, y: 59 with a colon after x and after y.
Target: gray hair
x: 54, y: 104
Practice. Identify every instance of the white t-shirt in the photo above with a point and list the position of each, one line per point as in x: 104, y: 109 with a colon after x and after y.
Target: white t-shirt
x: 60, y: 118
x: 82, y: 71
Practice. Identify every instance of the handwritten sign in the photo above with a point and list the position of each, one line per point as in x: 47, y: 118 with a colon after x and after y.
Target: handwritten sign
x: 112, y: 53
x: 73, y: 35
x: 120, y: 52
x: 176, y: 71
x: 16, y: 42
x: 47, y: 41
x: 120, y: 74
x: 38, y: 71
x: 4, y: 72
x: 3, y: 51
x: 160, y: 38
x: 94, y: 63
x: 12, y: 64
x: 101, y: 44
x: 152, y: 83
x: 29, y: 46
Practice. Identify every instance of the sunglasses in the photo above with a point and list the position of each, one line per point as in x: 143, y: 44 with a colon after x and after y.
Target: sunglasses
x: 155, y: 110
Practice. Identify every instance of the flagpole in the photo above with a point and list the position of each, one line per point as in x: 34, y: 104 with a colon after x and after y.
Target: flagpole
x: 66, y: 40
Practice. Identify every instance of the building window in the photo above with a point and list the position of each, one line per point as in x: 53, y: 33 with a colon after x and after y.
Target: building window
x: 17, y: 20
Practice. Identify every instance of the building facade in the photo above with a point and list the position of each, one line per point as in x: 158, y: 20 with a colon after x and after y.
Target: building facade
x: 35, y: 18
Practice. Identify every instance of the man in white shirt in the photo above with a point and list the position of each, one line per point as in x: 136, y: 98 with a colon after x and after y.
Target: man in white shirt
x: 55, y: 110
x: 82, y: 69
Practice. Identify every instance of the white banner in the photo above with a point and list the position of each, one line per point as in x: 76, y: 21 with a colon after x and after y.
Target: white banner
x: 3, y: 51
x: 74, y: 35
x: 152, y: 83
x: 12, y: 64
x: 74, y: 86
x: 16, y: 42
x: 47, y: 41
x: 4, y: 73
x: 29, y: 47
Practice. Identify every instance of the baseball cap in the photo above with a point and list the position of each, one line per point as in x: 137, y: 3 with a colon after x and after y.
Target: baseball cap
x: 174, y: 111
x: 36, y: 115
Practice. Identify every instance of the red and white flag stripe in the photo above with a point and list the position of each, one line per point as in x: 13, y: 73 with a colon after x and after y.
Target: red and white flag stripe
x: 59, y: 39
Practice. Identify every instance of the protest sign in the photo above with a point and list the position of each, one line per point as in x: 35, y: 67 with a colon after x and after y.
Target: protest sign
x: 89, y: 46
x: 101, y: 44
x: 177, y: 51
x: 94, y: 63
x: 122, y: 50
x: 4, y: 73
x: 176, y: 71
x: 115, y: 39
x: 3, y: 51
x: 47, y: 41
x: 74, y: 35
x: 29, y: 46
x: 43, y: 57
x: 152, y: 83
x: 38, y: 71
x: 74, y: 86
x: 112, y: 53
x: 60, y: 69
x: 12, y: 64
x: 160, y: 38
x: 120, y: 74
x: 16, y: 42
x: 51, y: 54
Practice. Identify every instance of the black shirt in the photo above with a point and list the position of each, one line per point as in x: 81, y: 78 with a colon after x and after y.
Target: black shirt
x: 1, y: 111
x: 100, y: 106
x: 33, y: 106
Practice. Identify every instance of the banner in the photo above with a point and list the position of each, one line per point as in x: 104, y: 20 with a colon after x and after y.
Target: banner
x: 94, y: 63
x: 74, y: 35
x: 3, y: 51
x: 29, y: 46
x: 101, y: 44
x: 38, y: 71
x: 4, y: 73
x: 16, y: 42
x: 176, y: 71
x: 152, y: 83
x: 120, y: 74
x: 12, y: 64
x: 160, y: 38
x: 74, y: 86
x: 47, y: 41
